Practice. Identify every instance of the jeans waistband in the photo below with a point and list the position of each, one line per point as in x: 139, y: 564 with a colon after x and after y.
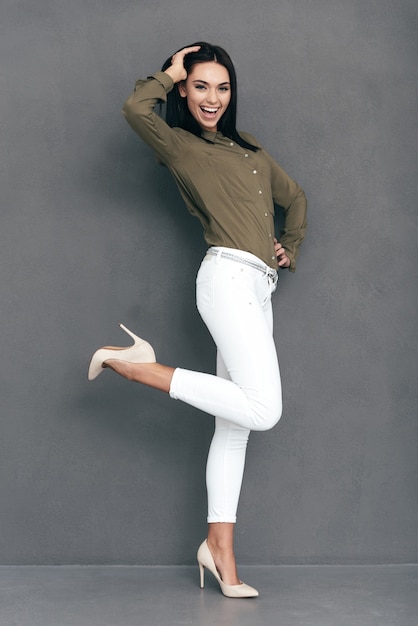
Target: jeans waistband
x: 240, y: 256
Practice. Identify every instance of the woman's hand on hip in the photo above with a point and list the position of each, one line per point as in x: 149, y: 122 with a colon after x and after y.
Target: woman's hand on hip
x: 177, y: 70
x: 282, y: 258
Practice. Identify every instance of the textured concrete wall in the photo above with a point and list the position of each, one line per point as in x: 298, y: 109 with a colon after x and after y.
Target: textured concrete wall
x: 93, y: 232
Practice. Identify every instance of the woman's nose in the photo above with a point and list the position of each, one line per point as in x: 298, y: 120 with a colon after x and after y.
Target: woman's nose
x: 212, y: 96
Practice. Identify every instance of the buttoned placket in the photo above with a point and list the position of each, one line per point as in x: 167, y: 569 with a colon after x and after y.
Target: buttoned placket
x: 270, y: 234
x: 266, y: 214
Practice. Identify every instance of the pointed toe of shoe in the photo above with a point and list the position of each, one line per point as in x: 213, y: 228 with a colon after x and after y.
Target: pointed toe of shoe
x: 95, y: 367
x: 239, y: 591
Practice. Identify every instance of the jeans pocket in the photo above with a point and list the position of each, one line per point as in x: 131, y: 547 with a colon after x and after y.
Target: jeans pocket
x: 263, y: 290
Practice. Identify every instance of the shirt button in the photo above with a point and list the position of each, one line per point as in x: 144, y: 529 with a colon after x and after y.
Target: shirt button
x: 232, y: 143
x: 254, y: 171
x: 246, y: 155
x: 273, y: 258
x: 260, y: 192
x: 266, y: 214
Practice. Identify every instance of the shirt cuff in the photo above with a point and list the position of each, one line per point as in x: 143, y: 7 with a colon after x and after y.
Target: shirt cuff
x: 292, y: 266
x: 164, y: 79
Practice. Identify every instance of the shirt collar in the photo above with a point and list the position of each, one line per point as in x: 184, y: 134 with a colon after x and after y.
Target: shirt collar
x: 211, y: 136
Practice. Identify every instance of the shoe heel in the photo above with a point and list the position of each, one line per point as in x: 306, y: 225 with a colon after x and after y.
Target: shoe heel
x: 202, y: 575
x: 130, y: 333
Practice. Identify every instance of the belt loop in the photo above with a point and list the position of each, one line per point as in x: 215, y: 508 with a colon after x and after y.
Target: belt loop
x: 218, y: 255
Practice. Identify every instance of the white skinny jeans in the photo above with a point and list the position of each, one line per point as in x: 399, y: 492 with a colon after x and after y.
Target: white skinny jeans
x: 234, y: 300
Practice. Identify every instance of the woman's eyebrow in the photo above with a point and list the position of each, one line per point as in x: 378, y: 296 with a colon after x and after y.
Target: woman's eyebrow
x: 198, y: 80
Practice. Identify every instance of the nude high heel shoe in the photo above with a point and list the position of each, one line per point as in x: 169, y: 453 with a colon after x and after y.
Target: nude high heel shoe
x: 205, y: 559
x: 140, y: 352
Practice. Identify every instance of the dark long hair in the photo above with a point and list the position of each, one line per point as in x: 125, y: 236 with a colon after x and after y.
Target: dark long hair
x: 177, y: 111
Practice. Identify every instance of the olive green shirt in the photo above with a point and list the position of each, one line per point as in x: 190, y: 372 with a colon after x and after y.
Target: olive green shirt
x: 230, y: 189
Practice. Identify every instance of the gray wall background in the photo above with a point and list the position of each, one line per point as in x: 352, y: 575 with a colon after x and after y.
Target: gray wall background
x: 93, y: 232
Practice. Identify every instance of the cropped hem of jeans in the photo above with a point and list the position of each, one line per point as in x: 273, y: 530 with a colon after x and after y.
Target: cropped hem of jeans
x: 175, y: 382
x: 221, y: 520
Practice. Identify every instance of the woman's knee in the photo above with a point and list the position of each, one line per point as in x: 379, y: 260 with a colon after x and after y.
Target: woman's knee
x: 267, y: 415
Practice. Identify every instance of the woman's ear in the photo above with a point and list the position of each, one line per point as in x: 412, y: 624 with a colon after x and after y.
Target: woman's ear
x: 182, y: 88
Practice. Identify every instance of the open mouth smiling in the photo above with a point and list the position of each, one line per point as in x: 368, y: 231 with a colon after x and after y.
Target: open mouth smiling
x: 209, y: 110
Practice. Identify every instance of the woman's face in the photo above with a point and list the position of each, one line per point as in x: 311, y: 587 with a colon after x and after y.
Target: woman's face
x: 208, y: 92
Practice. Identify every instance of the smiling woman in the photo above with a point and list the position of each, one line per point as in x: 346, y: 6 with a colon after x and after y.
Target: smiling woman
x: 208, y: 93
x: 231, y: 184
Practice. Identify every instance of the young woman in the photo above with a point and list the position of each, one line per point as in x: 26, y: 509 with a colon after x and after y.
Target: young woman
x: 231, y: 184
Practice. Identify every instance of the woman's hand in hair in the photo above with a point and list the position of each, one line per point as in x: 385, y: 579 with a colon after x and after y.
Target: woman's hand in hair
x: 282, y: 258
x: 176, y: 69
